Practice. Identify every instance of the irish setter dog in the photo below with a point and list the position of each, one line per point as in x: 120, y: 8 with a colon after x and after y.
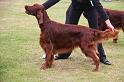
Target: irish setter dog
x: 117, y: 19
x: 61, y: 38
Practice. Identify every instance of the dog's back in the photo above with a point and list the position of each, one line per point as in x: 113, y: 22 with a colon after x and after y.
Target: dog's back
x: 65, y: 35
x: 72, y: 35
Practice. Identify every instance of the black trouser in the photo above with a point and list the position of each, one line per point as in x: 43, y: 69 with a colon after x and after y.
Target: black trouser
x: 72, y: 17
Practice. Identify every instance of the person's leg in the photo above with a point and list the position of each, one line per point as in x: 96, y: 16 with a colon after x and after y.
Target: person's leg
x: 90, y: 15
x: 72, y: 17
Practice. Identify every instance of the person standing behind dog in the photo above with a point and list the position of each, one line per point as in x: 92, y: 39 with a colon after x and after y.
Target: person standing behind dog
x: 89, y: 8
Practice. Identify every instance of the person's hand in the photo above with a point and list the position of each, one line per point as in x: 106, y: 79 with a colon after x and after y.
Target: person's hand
x: 109, y: 25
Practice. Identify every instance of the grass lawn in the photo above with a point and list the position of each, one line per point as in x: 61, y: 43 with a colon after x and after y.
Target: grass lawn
x: 20, y: 51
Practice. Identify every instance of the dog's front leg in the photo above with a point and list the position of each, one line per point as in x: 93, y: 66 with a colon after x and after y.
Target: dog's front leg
x: 49, y: 56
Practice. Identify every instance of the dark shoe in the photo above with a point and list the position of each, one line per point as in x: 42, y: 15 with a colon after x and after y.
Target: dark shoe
x: 57, y: 57
x: 105, y: 61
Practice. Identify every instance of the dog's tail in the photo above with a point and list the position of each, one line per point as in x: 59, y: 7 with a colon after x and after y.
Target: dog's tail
x: 105, y: 35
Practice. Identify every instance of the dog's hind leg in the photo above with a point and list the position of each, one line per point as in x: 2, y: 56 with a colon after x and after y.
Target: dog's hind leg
x: 91, y: 52
x: 115, y: 40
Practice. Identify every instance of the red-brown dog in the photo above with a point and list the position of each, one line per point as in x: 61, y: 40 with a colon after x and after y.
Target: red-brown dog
x: 61, y: 38
x: 117, y: 19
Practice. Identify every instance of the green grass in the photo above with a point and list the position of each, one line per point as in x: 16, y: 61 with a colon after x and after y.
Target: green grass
x: 20, y: 51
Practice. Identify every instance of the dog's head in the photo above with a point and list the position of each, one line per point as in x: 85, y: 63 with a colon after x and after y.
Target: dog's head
x: 35, y: 10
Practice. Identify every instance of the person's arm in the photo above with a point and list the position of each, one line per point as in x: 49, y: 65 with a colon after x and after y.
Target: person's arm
x: 108, y: 23
x: 102, y: 13
x: 100, y: 10
x: 49, y: 3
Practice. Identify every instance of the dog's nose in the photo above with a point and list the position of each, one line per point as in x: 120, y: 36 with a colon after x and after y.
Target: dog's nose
x: 26, y: 6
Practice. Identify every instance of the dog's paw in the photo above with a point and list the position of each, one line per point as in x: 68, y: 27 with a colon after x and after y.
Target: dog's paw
x: 95, y: 70
x: 44, y: 66
x: 93, y: 63
x: 115, y: 41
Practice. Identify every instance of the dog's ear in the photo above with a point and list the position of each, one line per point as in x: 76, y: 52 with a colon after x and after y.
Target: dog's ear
x: 40, y: 17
